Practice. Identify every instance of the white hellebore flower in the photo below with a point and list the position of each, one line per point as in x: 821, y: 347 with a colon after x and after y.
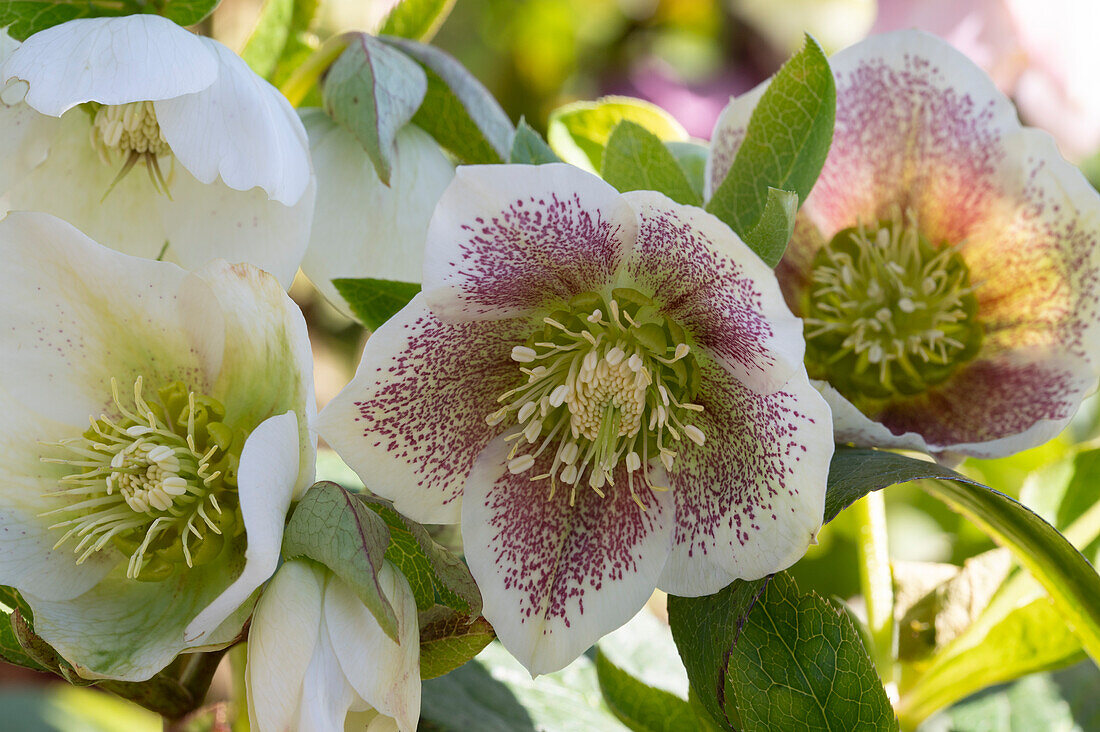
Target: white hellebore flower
x: 318, y: 661
x: 156, y: 142
x: 363, y: 228
x: 155, y: 426
x: 608, y: 390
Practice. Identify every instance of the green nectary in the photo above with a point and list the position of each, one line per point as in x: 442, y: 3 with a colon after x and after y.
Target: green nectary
x: 887, y: 313
x: 607, y: 379
x: 157, y: 481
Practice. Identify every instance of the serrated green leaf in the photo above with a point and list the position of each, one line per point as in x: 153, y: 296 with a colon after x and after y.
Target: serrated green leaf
x: 373, y: 91
x: 769, y: 237
x: 639, y: 706
x: 26, y: 17
x: 435, y: 575
x: 458, y: 111
x: 786, y: 141
x: 418, y: 20
x: 692, y: 158
x: 374, y: 302
x: 269, y: 36
x: 636, y: 160
x: 797, y: 663
x: 332, y: 527
x: 450, y: 641
x: 578, y: 132
x: 10, y: 649
x: 528, y: 147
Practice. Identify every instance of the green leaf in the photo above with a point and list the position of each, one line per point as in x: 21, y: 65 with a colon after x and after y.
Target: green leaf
x: 579, y: 132
x: 635, y: 160
x: 416, y: 19
x: 458, y: 111
x: 639, y: 706
x: 799, y: 664
x: 299, y: 46
x: 269, y: 36
x: 375, y: 301
x: 705, y: 628
x: 494, y: 693
x: 772, y: 232
x: 787, y: 139
x: 450, y: 641
x: 528, y: 147
x: 692, y: 157
x: 10, y: 648
x: 26, y: 17
x: 373, y: 91
x: 332, y: 527
x: 436, y: 575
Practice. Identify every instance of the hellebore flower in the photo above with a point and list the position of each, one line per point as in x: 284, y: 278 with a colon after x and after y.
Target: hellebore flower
x: 945, y: 264
x: 363, y: 228
x: 225, y: 157
x: 155, y: 430
x: 608, y: 389
x: 318, y: 660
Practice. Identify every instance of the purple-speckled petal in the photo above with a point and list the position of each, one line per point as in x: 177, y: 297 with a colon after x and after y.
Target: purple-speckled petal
x: 706, y: 279
x: 555, y: 578
x: 507, y: 239
x: 412, y: 421
x: 729, y: 133
x: 750, y: 500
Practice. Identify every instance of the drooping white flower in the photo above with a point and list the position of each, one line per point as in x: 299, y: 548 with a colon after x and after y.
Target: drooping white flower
x: 607, y: 389
x: 156, y: 142
x: 155, y: 429
x: 318, y: 660
x: 946, y: 264
x: 363, y: 228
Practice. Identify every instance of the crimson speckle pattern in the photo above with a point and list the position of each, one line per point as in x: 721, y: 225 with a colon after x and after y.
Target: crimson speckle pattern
x: 428, y: 402
x: 538, y: 249
x: 708, y: 293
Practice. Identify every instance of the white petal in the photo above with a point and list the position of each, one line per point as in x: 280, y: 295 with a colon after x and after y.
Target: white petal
x: 362, y: 228
x: 282, y: 639
x: 386, y: 675
x: 556, y: 577
x: 327, y: 696
x: 265, y: 483
x: 239, y: 128
x: 72, y: 183
x: 729, y: 133
x: 508, y: 239
x: 111, y: 61
x: 206, y: 221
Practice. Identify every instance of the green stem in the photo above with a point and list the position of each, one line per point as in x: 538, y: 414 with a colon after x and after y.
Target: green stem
x: 238, y: 658
x: 305, y: 76
x: 877, y: 584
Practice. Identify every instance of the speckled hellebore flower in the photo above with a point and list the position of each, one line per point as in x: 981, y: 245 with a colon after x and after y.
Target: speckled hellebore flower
x: 318, y: 660
x: 945, y: 265
x: 363, y: 228
x: 155, y: 429
x: 607, y: 389
x: 156, y: 142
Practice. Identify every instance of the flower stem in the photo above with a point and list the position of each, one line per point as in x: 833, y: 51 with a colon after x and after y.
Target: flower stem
x: 877, y: 584
x: 238, y: 656
x: 305, y: 76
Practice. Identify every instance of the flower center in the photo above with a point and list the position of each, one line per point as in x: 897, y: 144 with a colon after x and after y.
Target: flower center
x: 607, y: 381
x: 887, y: 313
x: 158, y: 482
x: 131, y: 132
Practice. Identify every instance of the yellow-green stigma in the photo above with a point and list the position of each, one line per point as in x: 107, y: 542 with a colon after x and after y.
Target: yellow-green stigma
x: 130, y: 132
x: 157, y: 482
x: 888, y: 314
x: 607, y: 381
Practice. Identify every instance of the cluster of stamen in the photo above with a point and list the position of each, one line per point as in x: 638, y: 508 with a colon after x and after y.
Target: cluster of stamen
x: 156, y: 481
x: 130, y: 132
x: 607, y: 381
x: 887, y: 313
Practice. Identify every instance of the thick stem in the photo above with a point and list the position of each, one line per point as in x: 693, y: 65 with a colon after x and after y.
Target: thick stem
x: 877, y: 584
x: 238, y: 657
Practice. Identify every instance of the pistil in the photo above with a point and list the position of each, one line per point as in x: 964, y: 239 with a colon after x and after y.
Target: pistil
x: 608, y: 382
